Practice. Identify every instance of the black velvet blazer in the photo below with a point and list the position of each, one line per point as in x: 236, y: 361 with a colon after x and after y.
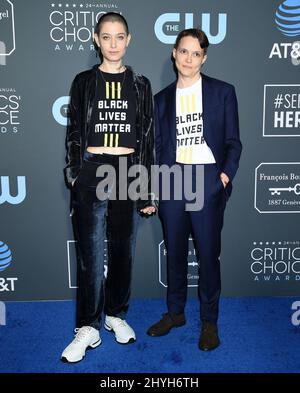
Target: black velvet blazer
x: 80, y: 109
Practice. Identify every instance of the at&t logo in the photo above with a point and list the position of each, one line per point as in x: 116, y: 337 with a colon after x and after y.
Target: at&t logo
x: 287, y: 19
x: 167, y: 26
x: 5, y: 195
x: 6, y: 284
x: 5, y: 256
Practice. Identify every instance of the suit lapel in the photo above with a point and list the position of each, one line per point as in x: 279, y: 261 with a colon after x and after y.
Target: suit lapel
x: 171, y: 105
x: 206, y: 103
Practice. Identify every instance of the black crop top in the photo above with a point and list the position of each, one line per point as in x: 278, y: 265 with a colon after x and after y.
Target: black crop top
x: 113, y: 120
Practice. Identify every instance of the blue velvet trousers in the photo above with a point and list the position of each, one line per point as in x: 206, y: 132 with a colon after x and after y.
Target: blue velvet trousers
x: 96, y: 221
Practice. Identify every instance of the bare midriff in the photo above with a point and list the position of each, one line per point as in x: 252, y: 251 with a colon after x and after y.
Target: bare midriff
x: 110, y: 150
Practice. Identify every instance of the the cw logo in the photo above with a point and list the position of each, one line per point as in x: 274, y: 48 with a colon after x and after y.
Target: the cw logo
x: 60, y: 110
x: 5, y: 195
x: 169, y: 23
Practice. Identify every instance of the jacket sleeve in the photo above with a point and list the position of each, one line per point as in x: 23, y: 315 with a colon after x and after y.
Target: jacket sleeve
x: 73, y: 138
x: 157, y: 132
x: 233, y: 146
x: 148, y: 154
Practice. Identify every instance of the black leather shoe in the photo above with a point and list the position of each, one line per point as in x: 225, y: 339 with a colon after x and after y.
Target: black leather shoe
x: 209, y: 338
x: 168, y: 321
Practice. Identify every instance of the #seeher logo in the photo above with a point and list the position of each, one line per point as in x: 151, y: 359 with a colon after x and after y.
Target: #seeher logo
x: 5, y: 256
x: 287, y: 18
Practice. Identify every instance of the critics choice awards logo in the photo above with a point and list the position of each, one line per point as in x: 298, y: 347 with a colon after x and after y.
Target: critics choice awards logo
x: 10, y: 102
x: 281, y: 112
x: 275, y: 261
x: 287, y: 21
x: 72, y: 24
x: 277, y: 187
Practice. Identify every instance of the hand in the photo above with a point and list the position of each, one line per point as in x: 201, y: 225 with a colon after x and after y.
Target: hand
x: 73, y: 182
x: 224, y: 179
x: 148, y: 210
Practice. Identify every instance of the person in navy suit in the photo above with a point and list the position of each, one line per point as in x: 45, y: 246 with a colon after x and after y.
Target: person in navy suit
x: 196, y: 122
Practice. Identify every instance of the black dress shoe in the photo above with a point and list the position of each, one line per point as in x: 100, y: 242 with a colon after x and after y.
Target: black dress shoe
x: 209, y: 338
x: 168, y: 321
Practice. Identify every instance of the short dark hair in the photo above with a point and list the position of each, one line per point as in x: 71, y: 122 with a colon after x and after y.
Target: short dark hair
x: 195, y: 33
x: 111, y: 17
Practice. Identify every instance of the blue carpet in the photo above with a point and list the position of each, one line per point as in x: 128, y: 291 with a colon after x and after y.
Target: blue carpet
x: 256, y: 336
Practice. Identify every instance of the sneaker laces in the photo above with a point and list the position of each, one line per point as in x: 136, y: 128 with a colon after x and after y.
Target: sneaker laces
x: 120, y: 322
x: 81, y: 333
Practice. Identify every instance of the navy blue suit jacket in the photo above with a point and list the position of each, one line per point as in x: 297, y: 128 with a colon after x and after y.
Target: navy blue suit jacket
x: 220, y: 124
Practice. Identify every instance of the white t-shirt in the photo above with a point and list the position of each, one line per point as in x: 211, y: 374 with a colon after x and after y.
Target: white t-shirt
x: 191, y: 145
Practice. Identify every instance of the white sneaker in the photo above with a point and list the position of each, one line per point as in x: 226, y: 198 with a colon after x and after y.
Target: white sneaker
x: 123, y: 332
x: 86, y: 337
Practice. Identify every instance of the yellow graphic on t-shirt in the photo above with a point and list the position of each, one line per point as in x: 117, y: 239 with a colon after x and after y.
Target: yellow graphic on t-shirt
x: 111, y: 91
x: 117, y: 140
x: 185, y: 154
x: 111, y: 140
x: 187, y: 103
x: 193, y: 103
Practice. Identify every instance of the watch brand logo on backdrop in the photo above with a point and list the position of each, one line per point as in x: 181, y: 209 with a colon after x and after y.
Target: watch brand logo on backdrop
x: 287, y: 21
x: 7, y: 30
x: 277, y: 188
x: 72, y: 25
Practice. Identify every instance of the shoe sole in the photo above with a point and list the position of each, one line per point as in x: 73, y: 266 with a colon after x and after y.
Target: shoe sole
x: 111, y: 330
x: 91, y: 346
x: 209, y: 349
x: 164, y: 334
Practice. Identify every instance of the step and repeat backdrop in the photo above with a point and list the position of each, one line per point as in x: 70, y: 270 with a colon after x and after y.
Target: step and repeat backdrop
x: 254, y: 45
